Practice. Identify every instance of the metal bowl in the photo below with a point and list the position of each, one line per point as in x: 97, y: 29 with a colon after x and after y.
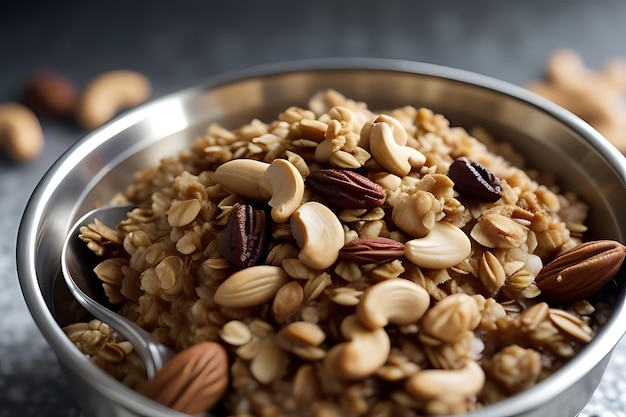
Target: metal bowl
x: 103, y: 163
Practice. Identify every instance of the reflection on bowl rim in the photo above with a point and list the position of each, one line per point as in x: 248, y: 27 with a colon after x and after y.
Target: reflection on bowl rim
x: 526, y: 401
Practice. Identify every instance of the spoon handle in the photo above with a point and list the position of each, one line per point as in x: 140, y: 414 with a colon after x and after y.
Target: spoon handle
x: 77, y: 266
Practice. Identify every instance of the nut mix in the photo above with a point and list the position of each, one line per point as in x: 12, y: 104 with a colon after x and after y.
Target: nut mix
x: 352, y: 263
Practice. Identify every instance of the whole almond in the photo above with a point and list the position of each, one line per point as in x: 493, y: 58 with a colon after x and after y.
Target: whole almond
x: 251, y: 287
x: 371, y: 250
x: 193, y: 381
x: 581, y: 271
x: 344, y: 189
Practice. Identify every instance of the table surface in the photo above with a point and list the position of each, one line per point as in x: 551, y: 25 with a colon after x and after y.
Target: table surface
x: 180, y: 43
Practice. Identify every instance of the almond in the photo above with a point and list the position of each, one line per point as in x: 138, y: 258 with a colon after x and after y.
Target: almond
x: 193, y: 381
x: 581, y: 271
x: 251, y: 287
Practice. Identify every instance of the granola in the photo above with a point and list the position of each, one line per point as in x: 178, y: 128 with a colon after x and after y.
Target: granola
x: 417, y: 296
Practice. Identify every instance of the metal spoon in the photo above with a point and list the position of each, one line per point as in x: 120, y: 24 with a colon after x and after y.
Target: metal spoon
x: 77, y: 264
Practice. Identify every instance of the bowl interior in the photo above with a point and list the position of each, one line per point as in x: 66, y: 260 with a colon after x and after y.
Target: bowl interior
x: 103, y: 163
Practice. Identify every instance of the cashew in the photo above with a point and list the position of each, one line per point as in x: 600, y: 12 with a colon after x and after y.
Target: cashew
x: 451, y: 318
x: 399, y: 134
x: 395, y: 158
x: 318, y: 233
x: 243, y: 177
x: 386, y: 180
x: 396, y: 300
x: 364, y: 352
x: 20, y: 132
x: 279, y: 182
x: 109, y: 93
x: 286, y: 186
x: 416, y: 213
x: 437, y: 383
x: 445, y: 246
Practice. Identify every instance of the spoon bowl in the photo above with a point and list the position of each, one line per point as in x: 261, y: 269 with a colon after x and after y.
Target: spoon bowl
x: 77, y: 264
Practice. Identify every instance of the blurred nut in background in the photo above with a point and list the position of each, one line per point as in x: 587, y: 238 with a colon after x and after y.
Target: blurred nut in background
x: 108, y: 94
x: 21, y: 135
x: 51, y: 94
x: 595, y: 96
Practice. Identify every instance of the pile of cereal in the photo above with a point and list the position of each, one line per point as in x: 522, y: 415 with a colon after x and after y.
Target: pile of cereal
x: 352, y: 263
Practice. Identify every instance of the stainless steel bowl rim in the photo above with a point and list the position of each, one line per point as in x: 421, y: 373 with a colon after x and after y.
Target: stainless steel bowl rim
x: 28, y: 231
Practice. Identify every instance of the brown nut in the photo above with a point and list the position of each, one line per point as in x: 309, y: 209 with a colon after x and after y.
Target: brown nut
x: 20, y: 132
x: 581, y: 271
x: 109, y: 93
x: 51, y: 94
x: 243, y: 241
x: 367, y: 250
x: 345, y: 189
x: 473, y: 180
x: 193, y: 381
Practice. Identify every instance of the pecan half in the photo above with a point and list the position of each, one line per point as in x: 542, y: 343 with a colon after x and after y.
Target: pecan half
x: 243, y: 241
x: 344, y: 189
x: 473, y: 180
x: 372, y: 250
x: 581, y: 271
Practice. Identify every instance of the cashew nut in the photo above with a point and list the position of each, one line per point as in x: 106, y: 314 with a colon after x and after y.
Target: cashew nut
x: 109, y: 93
x: 394, y: 157
x: 364, y: 352
x: 451, y: 318
x: 279, y: 182
x: 436, y: 383
x: 399, y: 134
x: 318, y: 233
x: 20, y: 132
x: 286, y: 186
x: 416, y: 213
x: 396, y: 300
x: 443, y: 247
x: 243, y: 177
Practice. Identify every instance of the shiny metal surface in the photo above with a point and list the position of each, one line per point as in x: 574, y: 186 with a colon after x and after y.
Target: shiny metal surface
x: 103, y: 163
x: 77, y: 267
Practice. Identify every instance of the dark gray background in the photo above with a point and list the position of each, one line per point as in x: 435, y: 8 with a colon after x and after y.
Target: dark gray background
x: 180, y: 43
